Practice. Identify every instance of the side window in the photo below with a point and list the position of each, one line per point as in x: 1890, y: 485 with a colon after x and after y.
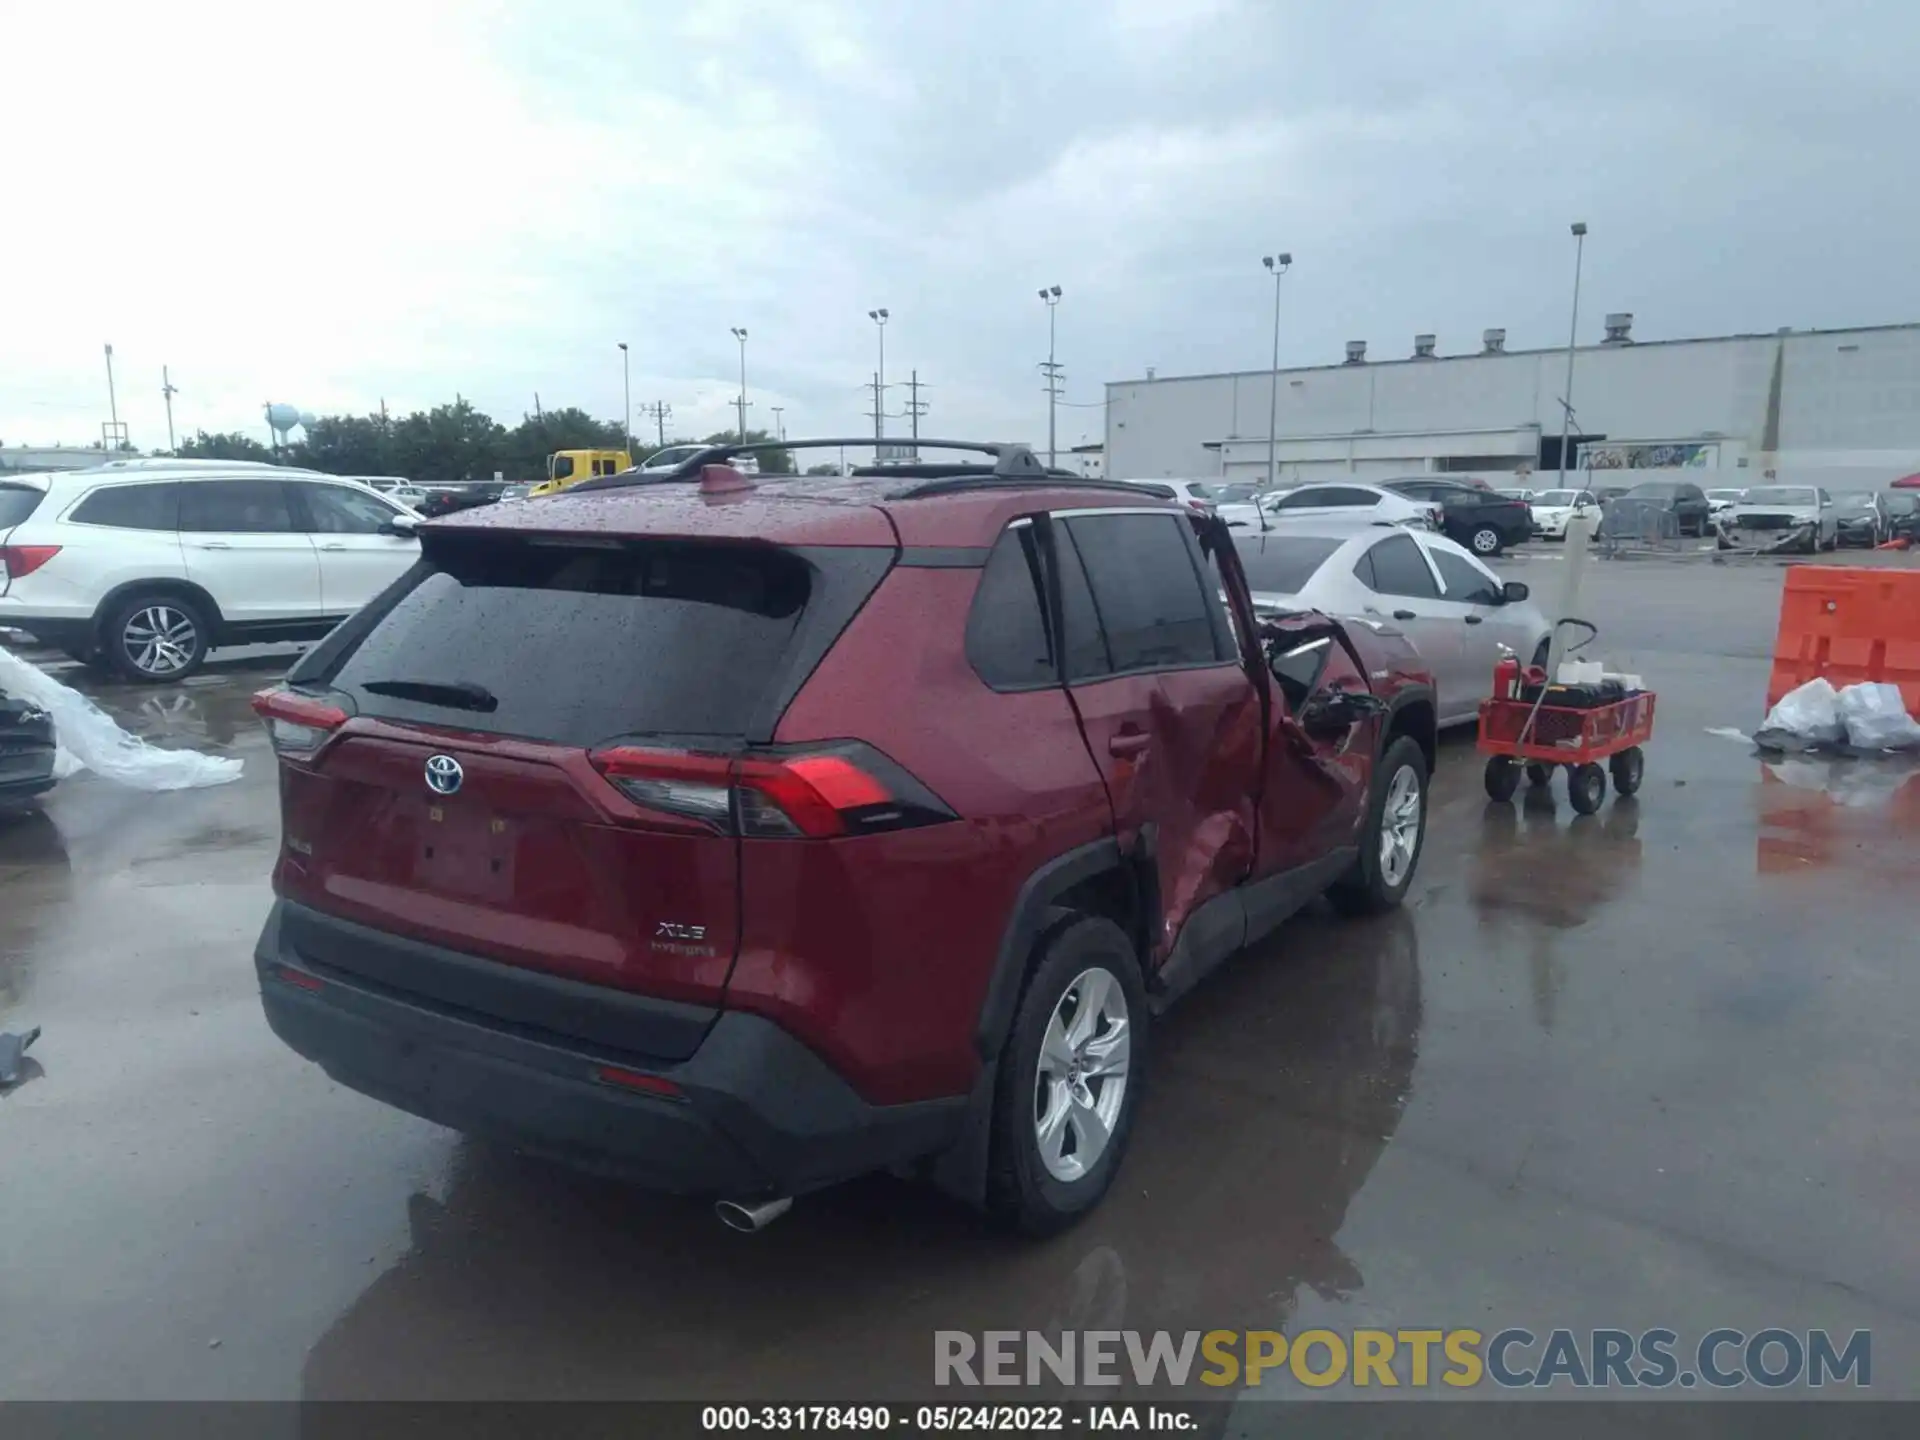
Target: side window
x: 1347, y: 495
x: 563, y: 467
x: 336, y: 510
x: 1303, y: 499
x: 131, y: 507
x: 1147, y: 591
x: 1006, y: 629
x: 1464, y: 580
x: 1398, y: 569
x: 1086, y: 643
x: 235, y: 507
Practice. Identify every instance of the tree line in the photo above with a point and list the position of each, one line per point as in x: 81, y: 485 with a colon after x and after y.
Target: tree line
x: 448, y: 443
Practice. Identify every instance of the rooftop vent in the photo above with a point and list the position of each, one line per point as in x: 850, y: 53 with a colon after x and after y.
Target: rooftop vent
x: 1620, y: 329
x: 1493, y: 341
x: 1423, y: 347
x: 1356, y: 352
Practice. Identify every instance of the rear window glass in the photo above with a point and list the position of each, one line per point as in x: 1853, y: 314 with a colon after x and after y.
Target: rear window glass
x: 17, y: 502
x: 581, y: 646
x: 131, y: 507
x: 1282, y: 564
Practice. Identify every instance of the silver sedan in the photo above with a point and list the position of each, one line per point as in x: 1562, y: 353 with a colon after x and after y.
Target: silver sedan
x: 1457, y: 612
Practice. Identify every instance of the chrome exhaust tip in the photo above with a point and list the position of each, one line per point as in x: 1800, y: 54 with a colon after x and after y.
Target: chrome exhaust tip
x: 747, y: 1218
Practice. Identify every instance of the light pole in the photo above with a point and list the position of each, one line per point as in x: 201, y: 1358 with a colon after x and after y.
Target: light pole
x: 879, y: 318
x: 779, y: 422
x: 1278, y: 265
x: 1051, y: 296
x: 626, y: 397
x: 1573, y: 332
x: 113, y: 405
x: 741, y: 335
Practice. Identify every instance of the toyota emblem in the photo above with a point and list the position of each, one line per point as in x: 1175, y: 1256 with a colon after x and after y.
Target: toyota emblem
x: 444, y: 774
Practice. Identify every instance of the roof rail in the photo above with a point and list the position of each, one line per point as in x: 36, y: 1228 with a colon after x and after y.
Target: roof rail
x: 1050, y: 479
x: 1010, y: 461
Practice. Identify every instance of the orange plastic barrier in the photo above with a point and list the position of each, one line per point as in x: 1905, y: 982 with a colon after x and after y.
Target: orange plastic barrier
x: 1848, y: 625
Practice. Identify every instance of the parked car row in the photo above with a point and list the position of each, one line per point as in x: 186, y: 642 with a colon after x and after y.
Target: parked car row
x: 1485, y: 521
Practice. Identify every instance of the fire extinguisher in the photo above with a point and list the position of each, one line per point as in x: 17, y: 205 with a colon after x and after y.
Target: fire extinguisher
x: 1506, y: 677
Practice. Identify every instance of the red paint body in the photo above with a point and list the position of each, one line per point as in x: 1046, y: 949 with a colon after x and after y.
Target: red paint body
x: 873, y: 949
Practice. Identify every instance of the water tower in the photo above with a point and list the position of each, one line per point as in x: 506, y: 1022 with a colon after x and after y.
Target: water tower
x: 282, y: 418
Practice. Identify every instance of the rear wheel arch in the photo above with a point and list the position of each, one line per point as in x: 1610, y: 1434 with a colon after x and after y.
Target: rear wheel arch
x: 163, y: 585
x: 1099, y: 880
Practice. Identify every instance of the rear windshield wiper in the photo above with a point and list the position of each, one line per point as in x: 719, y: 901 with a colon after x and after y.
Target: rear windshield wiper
x: 454, y: 694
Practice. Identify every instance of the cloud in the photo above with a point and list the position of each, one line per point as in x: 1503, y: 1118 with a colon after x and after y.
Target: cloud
x: 422, y: 197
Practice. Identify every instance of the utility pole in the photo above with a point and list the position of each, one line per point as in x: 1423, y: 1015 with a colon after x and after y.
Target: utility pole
x: 915, y: 408
x: 167, y: 391
x: 1051, y: 295
x: 779, y: 422
x: 1573, y: 332
x: 537, y: 414
x: 659, y: 410
x: 874, y: 386
x: 741, y: 335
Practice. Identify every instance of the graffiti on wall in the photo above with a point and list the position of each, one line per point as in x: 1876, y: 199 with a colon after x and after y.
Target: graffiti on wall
x: 1689, y: 456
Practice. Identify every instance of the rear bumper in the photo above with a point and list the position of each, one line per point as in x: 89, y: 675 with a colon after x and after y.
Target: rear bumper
x: 58, y: 632
x: 758, y: 1113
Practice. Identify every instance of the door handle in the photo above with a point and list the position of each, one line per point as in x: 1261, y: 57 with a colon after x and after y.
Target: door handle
x: 335, y: 546
x: 1404, y: 615
x: 213, y: 545
x: 1475, y: 619
x: 1128, y: 743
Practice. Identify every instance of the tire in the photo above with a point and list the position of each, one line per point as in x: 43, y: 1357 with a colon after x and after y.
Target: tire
x: 156, y: 638
x: 1485, y: 540
x: 1627, y: 768
x: 1502, y: 777
x: 1034, y: 1188
x: 1372, y: 886
x: 1586, y: 788
x: 1539, y: 774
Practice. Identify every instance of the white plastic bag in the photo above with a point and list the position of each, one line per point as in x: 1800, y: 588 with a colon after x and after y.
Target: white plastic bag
x: 1876, y: 718
x: 89, y: 739
x: 1808, y: 715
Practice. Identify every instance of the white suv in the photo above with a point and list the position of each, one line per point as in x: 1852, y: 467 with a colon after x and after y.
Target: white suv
x: 146, y: 566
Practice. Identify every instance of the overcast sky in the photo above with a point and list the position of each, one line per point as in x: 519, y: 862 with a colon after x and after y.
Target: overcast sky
x: 328, y: 205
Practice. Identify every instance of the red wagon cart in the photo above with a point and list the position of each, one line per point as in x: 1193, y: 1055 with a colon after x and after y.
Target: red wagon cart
x: 1528, y: 732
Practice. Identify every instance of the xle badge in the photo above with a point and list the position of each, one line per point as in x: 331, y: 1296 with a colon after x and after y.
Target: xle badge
x: 672, y: 938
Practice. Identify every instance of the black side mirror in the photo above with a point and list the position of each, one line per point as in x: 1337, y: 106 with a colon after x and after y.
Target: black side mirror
x: 1513, y: 592
x: 1328, y: 716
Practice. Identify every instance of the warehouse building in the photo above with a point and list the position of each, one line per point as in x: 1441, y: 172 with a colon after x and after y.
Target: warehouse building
x: 1820, y: 406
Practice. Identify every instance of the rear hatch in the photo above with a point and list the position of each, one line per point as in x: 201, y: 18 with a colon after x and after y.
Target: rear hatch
x: 529, y: 752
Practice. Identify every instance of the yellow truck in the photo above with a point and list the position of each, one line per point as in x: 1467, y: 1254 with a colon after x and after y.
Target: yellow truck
x: 569, y: 467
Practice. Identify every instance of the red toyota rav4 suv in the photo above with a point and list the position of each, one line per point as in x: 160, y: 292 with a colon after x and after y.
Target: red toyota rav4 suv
x: 741, y: 838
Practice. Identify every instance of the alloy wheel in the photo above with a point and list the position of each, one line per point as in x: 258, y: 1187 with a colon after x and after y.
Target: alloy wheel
x: 1400, y: 826
x: 1081, y: 1082
x: 159, y: 640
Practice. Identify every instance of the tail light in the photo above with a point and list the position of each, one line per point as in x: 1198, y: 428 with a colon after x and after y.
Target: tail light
x: 19, y: 560
x: 297, y: 724
x: 816, y: 792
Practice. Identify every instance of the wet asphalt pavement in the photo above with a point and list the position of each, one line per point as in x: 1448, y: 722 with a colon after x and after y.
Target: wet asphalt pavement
x: 1654, y: 1067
